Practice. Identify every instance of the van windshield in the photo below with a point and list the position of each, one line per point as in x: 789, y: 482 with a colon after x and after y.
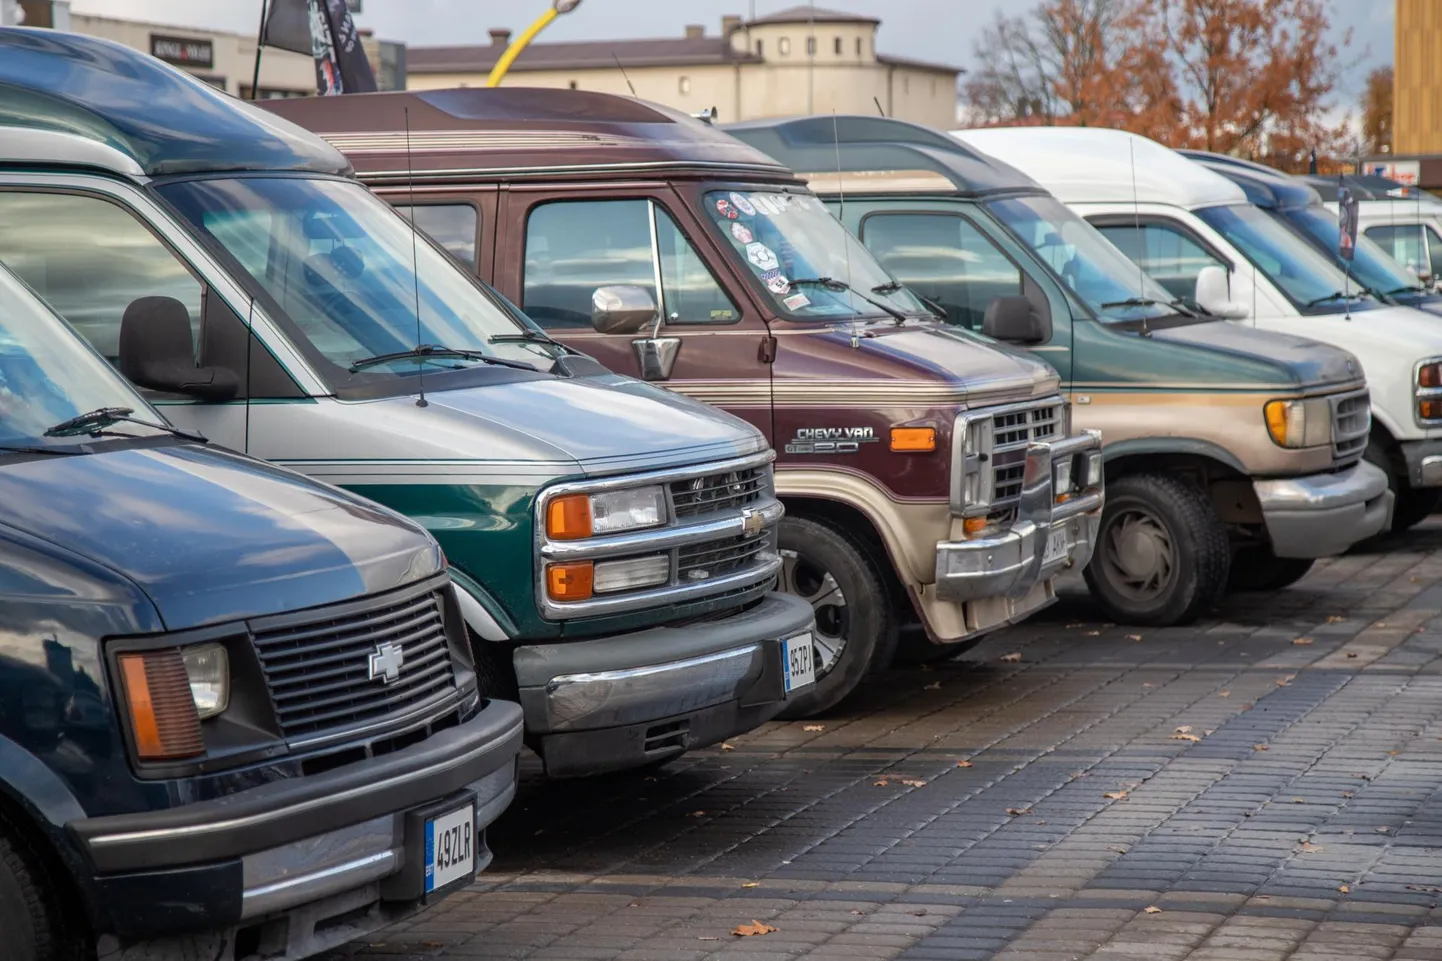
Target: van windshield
x: 350, y: 274
x: 1370, y: 264
x: 1305, y: 276
x: 48, y: 374
x: 1096, y: 272
x: 790, y: 243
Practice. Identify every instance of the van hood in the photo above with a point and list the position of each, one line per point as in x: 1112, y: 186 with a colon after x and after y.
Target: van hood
x: 605, y: 424
x: 1305, y: 362
x: 211, y: 536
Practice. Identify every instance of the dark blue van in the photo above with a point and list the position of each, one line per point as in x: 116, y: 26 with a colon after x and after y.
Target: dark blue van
x: 238, y: 712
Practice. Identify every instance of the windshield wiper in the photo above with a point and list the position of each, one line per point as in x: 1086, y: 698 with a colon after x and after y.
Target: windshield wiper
x: 890, y: 287
x: 528, y: 336
x: 832, y: 284
x: 423, y: 351
x: 51, y: 451
x: 1409, y: 289
x: 93, y: 422
x: 1175, y: 305
x: 1335, y: 295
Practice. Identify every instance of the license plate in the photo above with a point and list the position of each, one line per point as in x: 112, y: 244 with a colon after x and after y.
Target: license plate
x: 799, y: 660
x: 1056, y: 545
x: 450, y: 847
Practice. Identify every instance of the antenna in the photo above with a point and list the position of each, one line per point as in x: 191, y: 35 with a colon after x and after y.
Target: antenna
x: 846, y: 241
x: 1137, y: 225
x: 879, y: 108
x: 629, y: 84
x: 415, y: 263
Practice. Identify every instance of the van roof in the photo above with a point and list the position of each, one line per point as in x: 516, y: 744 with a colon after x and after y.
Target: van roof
x: 1090, y: 165
x: 870, y: 155
x: 479, y: 132
x: 1265, y: 187
x: 82, y: 101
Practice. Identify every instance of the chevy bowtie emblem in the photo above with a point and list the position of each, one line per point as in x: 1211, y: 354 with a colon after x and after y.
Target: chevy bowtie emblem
x: 752, y: 522
x: 386, y: 662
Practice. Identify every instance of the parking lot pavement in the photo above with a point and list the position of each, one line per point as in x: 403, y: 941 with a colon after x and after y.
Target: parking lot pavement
x: 1266, y: 784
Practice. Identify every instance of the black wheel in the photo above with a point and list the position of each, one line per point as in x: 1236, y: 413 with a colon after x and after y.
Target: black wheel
x: 30, y: 918
x: 1162, y: 555
x: 853, y: 629
x: 1410, y: 505
x: 1258, y: 569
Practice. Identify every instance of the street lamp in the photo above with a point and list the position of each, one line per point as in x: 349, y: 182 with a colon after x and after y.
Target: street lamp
x: 558, y: 7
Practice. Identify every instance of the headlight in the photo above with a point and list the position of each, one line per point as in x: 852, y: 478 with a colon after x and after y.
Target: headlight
x: 1429, y: 374
x: 209, y: 671
x: 1299, y: 423
x: 1429, y: 391
x: 586, y: 515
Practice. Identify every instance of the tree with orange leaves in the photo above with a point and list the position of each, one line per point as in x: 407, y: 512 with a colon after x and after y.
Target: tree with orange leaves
x: 1377, y: 111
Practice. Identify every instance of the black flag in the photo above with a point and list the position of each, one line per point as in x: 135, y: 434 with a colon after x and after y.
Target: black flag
x: 1347, y: 222
x: 287, y: 26
x: 324, y: 29
x: 346, y: 53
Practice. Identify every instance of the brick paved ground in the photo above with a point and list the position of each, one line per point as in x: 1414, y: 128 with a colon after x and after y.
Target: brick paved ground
x: 1265, y: 785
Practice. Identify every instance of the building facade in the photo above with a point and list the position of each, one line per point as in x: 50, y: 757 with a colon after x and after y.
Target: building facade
x: 800, y: 61
x: 1417, y: 88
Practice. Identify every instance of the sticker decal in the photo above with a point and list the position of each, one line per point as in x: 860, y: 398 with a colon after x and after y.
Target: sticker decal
x: 741, y: 232
x: 776, y: 281
x: 830, y: 440
x: 742, y: 204
x: 796, y: 301
x: 762, y: 256
x: 725, y: 209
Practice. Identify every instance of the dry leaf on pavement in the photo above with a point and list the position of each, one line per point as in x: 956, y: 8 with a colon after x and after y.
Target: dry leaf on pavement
x: 1115, y: 795
x: 1335, y: 618
x: 726, y: 747
x: 934, y: 687
x: 1302, y: 641
x: 814, y: 727
x: 1309, y: 848
x: 1224, y: 694
x: 1259, y: 747
x: 963, y: 764
x: 1184, y: 729
x: 883, y: 782
x: 1185, y: 737
x: 912, y: 782
x: 1351, y: 653
x: 1018, y: 812
x: 697, y: 814
x: 1011, y: 658
x: 1134, y: 637
x: 1345, y: 889
x: 752, y: 884
x: 1284, y: 681
x: 1152, y: 909
x: 752, y: 929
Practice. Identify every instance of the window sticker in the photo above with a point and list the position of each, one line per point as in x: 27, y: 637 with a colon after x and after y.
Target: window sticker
x: 762, y: 256
x: 742, y: 233
x: 726, y: 209
x: 776, y: 281
x: 742, y: 204
x: 797, y: 301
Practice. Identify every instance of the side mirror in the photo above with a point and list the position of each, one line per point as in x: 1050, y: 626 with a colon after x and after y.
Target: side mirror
x: 623, y: 309
x: 158, y: 352
x: 1214, y: 294
x: 1016, y: 320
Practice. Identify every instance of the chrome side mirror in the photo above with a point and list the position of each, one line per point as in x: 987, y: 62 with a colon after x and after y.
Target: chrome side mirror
x: 1214, y: 294
x: 623, y: 309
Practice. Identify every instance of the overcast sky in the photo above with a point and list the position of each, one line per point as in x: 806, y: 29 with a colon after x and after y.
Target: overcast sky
x: 936, y: 30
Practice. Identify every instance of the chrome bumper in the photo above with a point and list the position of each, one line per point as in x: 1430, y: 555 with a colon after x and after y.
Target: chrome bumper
x: 1324, y: 514
x: 1012, y: 563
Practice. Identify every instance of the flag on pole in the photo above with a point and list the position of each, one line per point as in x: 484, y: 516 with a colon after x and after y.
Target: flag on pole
x: 324, y: 29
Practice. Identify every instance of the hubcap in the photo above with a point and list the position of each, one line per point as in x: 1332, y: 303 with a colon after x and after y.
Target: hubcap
x: 1138, y: 555
x: 809, y: 581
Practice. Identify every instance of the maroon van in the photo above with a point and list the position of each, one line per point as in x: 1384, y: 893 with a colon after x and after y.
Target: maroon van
x: 929, y: 474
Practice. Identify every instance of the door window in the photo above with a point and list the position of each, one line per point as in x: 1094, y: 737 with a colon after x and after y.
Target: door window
x: 453, y: 226
x: 1168, y: 255
x: 1404, y: 243
x: 946, y: 259
x: 574, y: 247
x: 89, y: 259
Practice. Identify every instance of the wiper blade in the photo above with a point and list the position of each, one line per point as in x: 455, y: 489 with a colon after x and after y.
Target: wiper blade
x: 51, y: 451
x: 529, y: 336
x: 1334, y: 295
x: 890, y: 287
x: 831, y: 283
x: 1409, y: 289
x: 1176, y: 305
x: 424, y: 351
x: 95, y: 421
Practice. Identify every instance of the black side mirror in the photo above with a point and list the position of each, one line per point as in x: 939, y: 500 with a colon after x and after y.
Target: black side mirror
x: 1016, y: 320
x: 158, y: 352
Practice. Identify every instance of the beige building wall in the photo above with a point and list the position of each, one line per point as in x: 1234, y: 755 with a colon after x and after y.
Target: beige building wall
x: 1417, y: 88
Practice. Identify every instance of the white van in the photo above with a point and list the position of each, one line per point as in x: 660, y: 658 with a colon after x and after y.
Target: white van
x: 1194, y: 232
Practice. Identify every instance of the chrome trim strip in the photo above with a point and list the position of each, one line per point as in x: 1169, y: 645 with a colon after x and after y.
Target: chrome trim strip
x: 627, y: 481
x: 757, y: 574
x: 632, y: 673
x: 493, y: 173
x: 326, y: 881
x: 729, y: 523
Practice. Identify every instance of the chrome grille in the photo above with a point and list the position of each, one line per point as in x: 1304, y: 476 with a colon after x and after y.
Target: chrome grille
x: 1351, y: 423
x: 1024, y: 426
x: 1013, y: 431
x: 319, y: 671
x: 718, y: 558
x: 717, y: 492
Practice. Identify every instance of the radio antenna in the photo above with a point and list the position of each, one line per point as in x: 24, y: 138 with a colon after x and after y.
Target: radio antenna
x: 624, y: 76
x: 879, y: 108
x: 415, y: 262
x: 1137, y: 225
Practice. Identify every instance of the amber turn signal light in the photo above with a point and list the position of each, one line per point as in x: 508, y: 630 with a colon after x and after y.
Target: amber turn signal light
x: 973, y: 525
x: 162, y: 710
x: 1429, y: 409
x: 570, y: 582
x: 913, y: 439
x: 569, y: 517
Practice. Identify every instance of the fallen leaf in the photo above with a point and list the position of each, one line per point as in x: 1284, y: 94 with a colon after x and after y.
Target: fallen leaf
x: 919, y: 914
x: 1152, y: 909
x: 963, y: 764
x: 1345, y: 889
x: 1380, y: 624
x: 1072, y: 627
x: 934, y: 687
x: 814, y: 727
x: 1245, y: 707
x: 1393, y: 753
x: 1297, y: 800
x: 881, y: 783
x: 1185, y: 737
x: 752, y: 884
x: 1346, y: 794
x: 1147, y: 684
x: 1115, y: 795
x: 752, y: 929
x: 1011, y: 658
x: 1134, y: 637
x: 1351, y: 653
x: 912, y: 782
x: 1335, y: 618
x: 697, y: 814
x: 1094, y: 633
x: 1184, y: 729
x: 1120, y: 850
x: 1302, y: 641
x: 726, y: 747
x: 1018, y: 812
x: 1259, y: 747
x: 1284, y: 681
x: 1224, y: 694
x: 855, y: 911
x: 1309, y: 848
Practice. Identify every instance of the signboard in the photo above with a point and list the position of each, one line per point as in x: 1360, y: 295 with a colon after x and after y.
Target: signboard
x: 182, y: 51
x: 1403, y: 171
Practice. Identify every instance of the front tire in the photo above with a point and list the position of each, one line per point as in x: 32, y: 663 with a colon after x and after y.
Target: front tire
x: 31, y: 921
x: 1162, y: 555
x: 853, y: 620
x: 1410, y: 505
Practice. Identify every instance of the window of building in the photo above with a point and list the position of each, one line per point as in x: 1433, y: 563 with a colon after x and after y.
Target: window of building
x: 858, y: 46
x: 573, y: 247
x: 837, y: 46
x: 453, y: 226
x: 685, y: 85
x: 573, y: 85
x: 811, y: 46
x: 783, y: 46
x: 906, y: 85
x: 945, y: 258
x: 760, y: 48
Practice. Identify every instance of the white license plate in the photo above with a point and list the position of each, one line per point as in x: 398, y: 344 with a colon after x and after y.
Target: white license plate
x: 1056, y: 545
x: 799, y: 661
x: 450, y: 847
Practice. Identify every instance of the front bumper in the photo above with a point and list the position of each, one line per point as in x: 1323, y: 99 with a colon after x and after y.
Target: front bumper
x: 1324, y: 514
x: 295, y: 847
x: 1424, y: 462
x: 1012, y: 563
x: 620, y: 702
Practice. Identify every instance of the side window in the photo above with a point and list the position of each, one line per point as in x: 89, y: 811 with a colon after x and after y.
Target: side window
x: 1169, y: 256
x: 89, y: 259
x: 573, y: 247
x: 945, y: 258
x: 454, y: 226
x: 1434, y: 246
x: 1403, y: 243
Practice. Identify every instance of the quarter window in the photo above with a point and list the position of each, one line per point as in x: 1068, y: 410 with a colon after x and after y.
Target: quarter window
x: 1170, y: 257
x: 574, y: 247
x: 946, y: 259
x: 1413, y: 245
x: 453, y: 226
